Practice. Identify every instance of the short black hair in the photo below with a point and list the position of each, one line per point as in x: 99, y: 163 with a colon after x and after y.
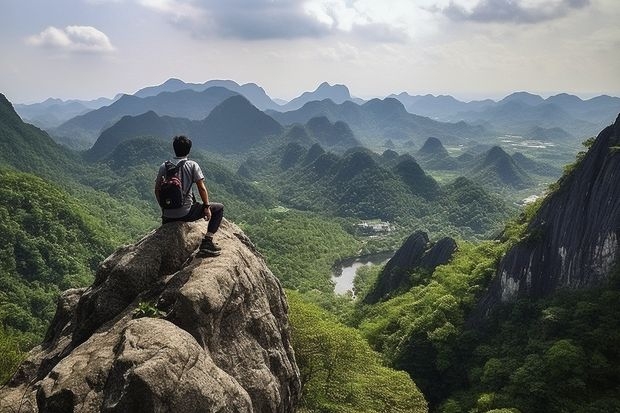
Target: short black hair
x: 181, y: 144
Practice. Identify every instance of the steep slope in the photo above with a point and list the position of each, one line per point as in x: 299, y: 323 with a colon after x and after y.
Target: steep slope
x: 572, y: 241
x: 412, y: 263
x: 28, y: 148
x: 218, y: 340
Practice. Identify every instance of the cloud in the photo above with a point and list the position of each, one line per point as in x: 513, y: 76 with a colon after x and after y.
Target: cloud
x: 75, y: 39
x: 516, y: 11
x: 272, y: 19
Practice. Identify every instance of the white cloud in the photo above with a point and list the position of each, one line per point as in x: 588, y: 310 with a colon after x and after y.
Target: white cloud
x: 77, y: 39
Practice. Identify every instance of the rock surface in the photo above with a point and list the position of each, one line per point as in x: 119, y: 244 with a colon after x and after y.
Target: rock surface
x: 573, y: 239
x: 217, y: 339
x: 416, y: 254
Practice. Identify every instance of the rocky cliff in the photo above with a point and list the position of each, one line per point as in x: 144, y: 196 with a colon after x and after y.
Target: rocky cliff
x: 162, y: 330
x: 572, y: 241
x: 416, y: 254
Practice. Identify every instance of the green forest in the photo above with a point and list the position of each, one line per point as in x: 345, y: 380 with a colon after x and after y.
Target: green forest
x: 61, y: 214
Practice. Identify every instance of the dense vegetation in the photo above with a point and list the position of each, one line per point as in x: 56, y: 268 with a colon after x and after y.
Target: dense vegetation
x: 48, y: 242
x: 362, y: 185
x: 339, y: 371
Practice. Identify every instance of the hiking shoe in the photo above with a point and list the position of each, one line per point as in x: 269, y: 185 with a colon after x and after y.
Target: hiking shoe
x: 207, y: 253
x: 208, y: 245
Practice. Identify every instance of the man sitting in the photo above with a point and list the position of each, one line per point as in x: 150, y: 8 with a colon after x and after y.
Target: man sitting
x: 188, y: 210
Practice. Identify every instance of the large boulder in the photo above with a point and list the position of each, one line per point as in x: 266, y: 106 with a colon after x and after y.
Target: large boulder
x: 417, y: 254
x: 163, y: 330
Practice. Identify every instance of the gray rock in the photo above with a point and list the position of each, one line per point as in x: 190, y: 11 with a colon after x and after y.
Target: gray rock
x: 573, y: 240
x: 222, y: 345
x: 417, y: 253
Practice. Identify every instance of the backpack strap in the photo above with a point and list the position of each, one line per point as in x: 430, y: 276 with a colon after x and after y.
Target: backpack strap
x: 179, y: 166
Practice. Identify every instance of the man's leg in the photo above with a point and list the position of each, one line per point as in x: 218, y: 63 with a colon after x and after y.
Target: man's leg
x: 217, y: 213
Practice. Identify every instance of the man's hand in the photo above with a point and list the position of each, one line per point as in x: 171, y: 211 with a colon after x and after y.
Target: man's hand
x: 207, y: 213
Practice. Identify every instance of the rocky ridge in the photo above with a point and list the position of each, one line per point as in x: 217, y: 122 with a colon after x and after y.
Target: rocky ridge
x: 163, y: 330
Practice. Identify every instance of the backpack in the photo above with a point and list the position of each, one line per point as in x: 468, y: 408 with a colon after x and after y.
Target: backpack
x: 171, y: 189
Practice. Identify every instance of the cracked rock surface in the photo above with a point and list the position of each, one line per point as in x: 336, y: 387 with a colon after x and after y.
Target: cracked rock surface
x: 217, y: 339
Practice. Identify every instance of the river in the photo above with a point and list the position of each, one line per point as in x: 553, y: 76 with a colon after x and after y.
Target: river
x: 344, y: 270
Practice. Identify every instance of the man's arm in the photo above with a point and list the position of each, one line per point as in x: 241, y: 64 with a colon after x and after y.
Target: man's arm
x: 204, y: 196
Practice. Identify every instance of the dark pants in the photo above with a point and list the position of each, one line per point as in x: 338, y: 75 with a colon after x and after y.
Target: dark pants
x: 197, y: 212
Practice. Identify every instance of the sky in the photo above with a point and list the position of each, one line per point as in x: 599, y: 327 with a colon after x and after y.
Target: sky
x: 470, y: 49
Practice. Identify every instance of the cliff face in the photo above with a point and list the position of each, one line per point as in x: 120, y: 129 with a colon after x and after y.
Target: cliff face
x: 573, y: 239
x: 219, y: 343
x: 416, y: 254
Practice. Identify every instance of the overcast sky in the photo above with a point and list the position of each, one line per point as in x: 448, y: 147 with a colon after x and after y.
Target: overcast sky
x: 470, y: 49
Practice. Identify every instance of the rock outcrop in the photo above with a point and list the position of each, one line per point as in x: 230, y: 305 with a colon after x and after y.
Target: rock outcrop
x: 416, y: 254
x: 572, y: 241
x: 163, y: 330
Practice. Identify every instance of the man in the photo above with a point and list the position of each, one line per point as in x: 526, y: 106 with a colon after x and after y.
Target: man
x: 189, y: 173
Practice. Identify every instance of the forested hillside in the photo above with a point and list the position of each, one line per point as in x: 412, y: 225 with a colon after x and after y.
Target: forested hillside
x: 547, y: 345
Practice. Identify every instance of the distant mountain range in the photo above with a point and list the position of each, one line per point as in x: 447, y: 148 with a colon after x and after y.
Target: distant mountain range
x: 522, y: 112
x: 53, y: 112
x: 235, y: 125
x: 377, y: 121
x: 250, y: 91
x: 401, y: 119
x: 183, y: 104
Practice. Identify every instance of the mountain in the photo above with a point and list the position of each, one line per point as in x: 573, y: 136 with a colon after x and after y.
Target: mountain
x: 416, y: 258
x: 364, y: 185
x: 155, y: 334
x: 147, y: 124
x: 332, y: 135
x: 497, y: 169
x: 535, y: 167
x: 440, y: 107
x: 548, y: 134
x: 235, y: 125
x: 433, y: 147
x: 184, y: 103
x: 335, y: 93
x: 572, y: 241
x: 526, y: 98
x: 28, y: 148
x: 433, y: 155
x: 415, y: 178
x: 53, y: 112
x: 378, y: 120
x: 250, y: 91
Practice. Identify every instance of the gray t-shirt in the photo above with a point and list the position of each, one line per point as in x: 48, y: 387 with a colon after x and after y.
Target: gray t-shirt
x: 189, y: 174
